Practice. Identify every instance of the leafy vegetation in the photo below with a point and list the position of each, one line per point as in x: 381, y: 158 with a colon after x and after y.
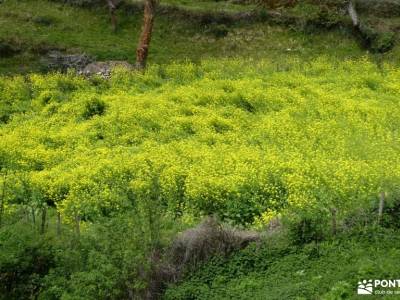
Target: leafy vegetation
x: 257, y: 156
x: 233, y: 138
x: 316, y: 271
x: 243, y: 140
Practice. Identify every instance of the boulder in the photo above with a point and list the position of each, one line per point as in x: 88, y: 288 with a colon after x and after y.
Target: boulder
x: 104, y: 68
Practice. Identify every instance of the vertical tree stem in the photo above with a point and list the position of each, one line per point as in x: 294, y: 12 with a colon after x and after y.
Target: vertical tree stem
x: 145, y: 37
x: 78, y: 225
x: 112, y: 8
x: 33, y: 216
x: 43, y: 224
x: 353, y: 13
x: 58, y: 223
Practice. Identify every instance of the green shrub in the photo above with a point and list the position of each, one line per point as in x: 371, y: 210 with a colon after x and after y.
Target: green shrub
x: 94, y: 107
x: 25, y: 259
x: 270, y: 272
x: 15, y: 96
x: 377, y: 40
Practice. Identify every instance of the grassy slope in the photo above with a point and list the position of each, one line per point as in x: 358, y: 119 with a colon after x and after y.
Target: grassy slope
x: 327, y: 271
x: 80, y: 30
x: 250, y: 274
x: 191, y: 120
x: 295, y: 123
x: 209, y: 5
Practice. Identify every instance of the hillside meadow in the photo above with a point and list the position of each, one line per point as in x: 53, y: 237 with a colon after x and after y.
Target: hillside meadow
x: 237, y: 138
x: 98, y: 178
x: 255, y: 156
x: 184, y: 31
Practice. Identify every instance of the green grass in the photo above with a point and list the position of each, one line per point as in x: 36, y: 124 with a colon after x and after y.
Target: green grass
x: 175, y: 39
x: 231, y: 137
x: 326, y: 271
x: 209, y: 5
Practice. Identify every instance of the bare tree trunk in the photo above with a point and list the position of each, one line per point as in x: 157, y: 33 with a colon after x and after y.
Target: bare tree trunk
x: 381, y: 205
x: 145, y: 37
x: 43, y: 224
x: 58, y: 223
x: 112, y: 8
x: 33, y: 216
x: 353, y: 13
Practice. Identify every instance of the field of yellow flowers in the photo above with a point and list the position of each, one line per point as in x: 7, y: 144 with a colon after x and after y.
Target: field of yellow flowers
x: 241, y: 139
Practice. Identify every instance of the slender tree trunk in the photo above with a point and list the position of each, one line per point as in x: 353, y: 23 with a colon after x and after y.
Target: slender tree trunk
x: 33, y: 216
x: 43, y: 224
x: 112, y: 8
x: 145, y: 37
x: 381, y: 206
x: 353, y: 13
x: 58, y: 223
x: 3, y: 195
x: 303, y: 231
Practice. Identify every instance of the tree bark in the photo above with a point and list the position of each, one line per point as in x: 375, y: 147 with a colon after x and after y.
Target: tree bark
x: 43, y: 224
x: 353, y: 13
x: 145, y: 37
x: 58, y: 223
x: 112, y: 8
x: 33, y: 216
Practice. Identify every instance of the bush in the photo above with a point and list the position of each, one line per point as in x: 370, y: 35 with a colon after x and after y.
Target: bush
x: 25, y: 259
x: 15, y: 96
x: 269, y: 272
x: 307, y: 229
x: 94, y: 107
x: 377, y: 40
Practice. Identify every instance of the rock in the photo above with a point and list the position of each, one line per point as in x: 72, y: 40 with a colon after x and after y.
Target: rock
x: 82, y: 64
x: 56, y: 60
x: 104, y: 69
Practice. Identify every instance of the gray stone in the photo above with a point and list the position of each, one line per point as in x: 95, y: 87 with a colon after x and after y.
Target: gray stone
x: 58, y: 61
x: 104, y: 68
